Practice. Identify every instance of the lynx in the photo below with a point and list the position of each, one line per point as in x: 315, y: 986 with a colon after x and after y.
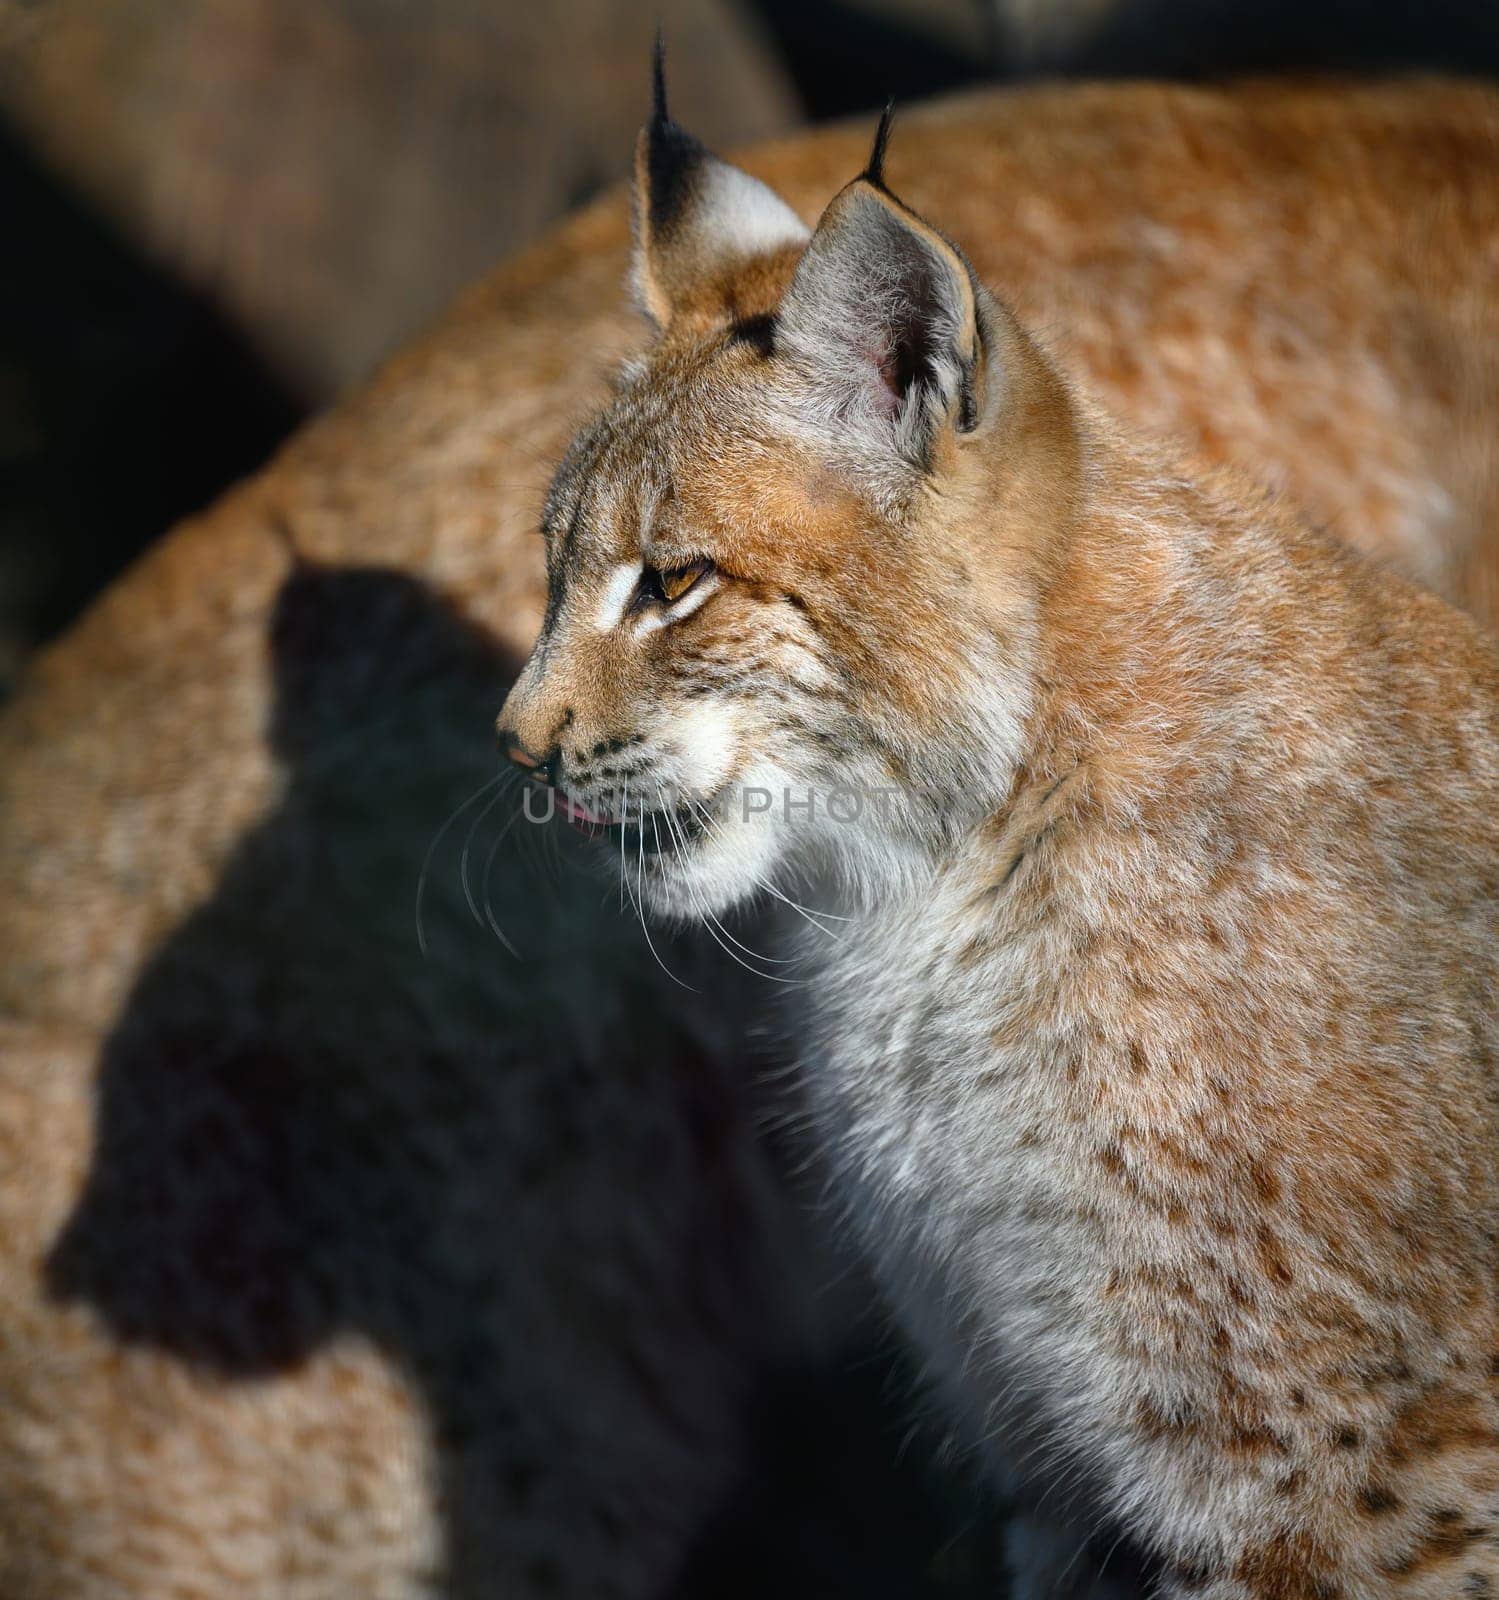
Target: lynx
x: 1154, y: 1008
x: 502, y: 1303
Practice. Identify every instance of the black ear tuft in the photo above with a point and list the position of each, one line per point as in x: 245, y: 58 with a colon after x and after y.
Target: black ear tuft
x: 672, y: 154
x: 695, y: 216
x: 659, y: 112
x: 875, y: 172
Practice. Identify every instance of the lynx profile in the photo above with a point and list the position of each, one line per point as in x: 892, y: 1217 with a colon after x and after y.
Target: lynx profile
x: 1156, y: 1051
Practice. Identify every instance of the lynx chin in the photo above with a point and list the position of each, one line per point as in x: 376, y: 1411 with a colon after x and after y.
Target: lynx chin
x: 1156, y: 1057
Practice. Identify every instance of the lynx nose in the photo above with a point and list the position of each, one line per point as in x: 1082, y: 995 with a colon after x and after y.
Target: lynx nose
x: 541, y: 768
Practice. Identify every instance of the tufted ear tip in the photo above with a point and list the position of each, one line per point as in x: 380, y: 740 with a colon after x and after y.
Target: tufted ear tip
x: 874, y: 172
x: 659, y: 112
x: 696, y: 216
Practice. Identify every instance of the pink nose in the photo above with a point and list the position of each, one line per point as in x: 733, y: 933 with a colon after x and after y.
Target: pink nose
x: 523, y: 757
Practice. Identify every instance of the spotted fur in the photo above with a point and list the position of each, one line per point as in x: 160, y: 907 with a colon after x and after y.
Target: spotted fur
x: 1156, y: 1054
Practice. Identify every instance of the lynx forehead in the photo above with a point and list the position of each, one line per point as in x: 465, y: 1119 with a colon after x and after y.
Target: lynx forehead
x: 1158, y: 1051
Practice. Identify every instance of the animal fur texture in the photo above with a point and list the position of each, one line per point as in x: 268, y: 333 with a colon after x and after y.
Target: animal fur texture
x: 1152, y: 1025
x: 417, y: 1367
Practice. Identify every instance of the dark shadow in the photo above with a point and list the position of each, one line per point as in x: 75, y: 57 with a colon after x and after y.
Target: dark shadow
x: 1209, y: 38
x: 840, y: 1500
x: 844, y: 60
x: 126, y: 402
x: 531, y: 1182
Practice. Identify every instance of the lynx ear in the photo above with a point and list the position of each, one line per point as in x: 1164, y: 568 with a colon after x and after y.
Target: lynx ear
x: 695, y: 215
x: 888, y: 319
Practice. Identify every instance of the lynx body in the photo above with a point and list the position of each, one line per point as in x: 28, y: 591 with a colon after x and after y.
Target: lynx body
x: 1154, y: 1041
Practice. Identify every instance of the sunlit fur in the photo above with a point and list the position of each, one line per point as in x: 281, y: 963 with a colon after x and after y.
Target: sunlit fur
x: 1157, y: 1060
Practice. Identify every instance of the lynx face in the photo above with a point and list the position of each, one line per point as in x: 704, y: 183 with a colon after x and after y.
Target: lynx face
x: 782, y: 632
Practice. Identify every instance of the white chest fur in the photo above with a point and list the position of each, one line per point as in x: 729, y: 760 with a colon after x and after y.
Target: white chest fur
x: 932, y: 1108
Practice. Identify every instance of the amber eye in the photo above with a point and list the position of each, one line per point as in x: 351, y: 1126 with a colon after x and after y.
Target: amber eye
x: 673, y: 583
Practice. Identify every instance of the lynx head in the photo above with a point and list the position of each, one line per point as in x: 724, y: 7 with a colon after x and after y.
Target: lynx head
x: 792, y: 566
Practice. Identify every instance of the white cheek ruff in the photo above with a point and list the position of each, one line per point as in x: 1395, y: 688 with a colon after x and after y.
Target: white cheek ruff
x: 707, y: 736
x: 617, y: 592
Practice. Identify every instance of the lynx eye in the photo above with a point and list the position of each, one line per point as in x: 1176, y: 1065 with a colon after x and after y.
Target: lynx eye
x: 670, y: 584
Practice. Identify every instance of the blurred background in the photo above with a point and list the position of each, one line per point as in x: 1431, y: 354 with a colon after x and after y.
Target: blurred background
x: 220, y: 213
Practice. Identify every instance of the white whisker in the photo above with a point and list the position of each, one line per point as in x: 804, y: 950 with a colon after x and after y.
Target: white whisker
x: 710, y: 922
x: 489, y: 861
x: 468, y: 842
x: 437, y: 838
x: 624, y: 819
x: 640, y: 907
x: 770, y: 889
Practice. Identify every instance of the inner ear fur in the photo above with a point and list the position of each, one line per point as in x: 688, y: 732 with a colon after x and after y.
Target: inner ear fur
x: 888, y: 313
x: 700, y: 222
